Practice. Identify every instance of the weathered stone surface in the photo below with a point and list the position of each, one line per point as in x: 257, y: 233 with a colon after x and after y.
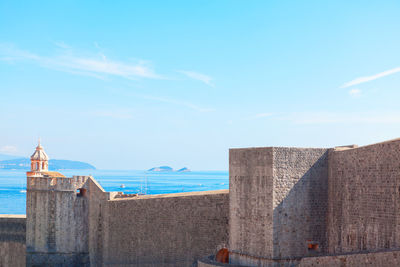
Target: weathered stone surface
x: 97, y: 199
x: 278, y: 203
x: 12, y: 240
x: 57, y: 221
x: 251, y: 201
x: 364, y: 194
x: 373, y: 259
x: 165, y: 230
x: 300, y: 201
x: 381, y: 259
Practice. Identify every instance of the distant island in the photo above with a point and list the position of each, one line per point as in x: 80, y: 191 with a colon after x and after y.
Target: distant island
x: 161, y: 169
x: 54, y: 164
x: 167, y: 169
x: 184, y: 169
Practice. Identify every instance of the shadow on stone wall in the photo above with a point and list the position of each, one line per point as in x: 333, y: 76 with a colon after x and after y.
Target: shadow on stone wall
x: 299, y: 221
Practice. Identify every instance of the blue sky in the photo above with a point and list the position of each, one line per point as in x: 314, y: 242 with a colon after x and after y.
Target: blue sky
x: 137, y: 84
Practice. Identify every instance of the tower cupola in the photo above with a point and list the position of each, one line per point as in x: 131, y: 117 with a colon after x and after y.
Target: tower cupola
x: 39, y: 160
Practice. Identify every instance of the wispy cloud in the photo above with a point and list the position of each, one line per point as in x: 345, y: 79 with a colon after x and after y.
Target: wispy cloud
x: 198, y: 76
x: 78, y: 63
x: 120, y: 114
x: 249, y: 118
x: 177, y: 102
x: 370, y: 78
x: 9, y: 149
x: 355, y: 92
x: 262, y: 115
x: 347, y: 118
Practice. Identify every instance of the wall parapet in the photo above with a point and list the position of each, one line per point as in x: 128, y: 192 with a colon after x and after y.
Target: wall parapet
x: 12, y: 228
x: 117, y: 196
x: 170, y: 229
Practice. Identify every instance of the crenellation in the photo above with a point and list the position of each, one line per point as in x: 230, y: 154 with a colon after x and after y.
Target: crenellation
x: 54, y: 183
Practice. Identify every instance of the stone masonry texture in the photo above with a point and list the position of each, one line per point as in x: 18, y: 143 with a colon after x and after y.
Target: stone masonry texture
x: 364, y: 194
x: 174, y: 230
x: 300, y: 201
x: 12, y: 240
x: 377, y: 259
x: 278, y: 203
x: 57, y: 225
x: 367, y: 259
x: 251, y: 201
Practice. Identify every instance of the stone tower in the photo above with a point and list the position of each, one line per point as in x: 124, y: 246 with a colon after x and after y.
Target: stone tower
x: 57, y: 221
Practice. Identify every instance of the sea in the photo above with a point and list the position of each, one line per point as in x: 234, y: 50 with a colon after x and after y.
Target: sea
x: 13, y: 184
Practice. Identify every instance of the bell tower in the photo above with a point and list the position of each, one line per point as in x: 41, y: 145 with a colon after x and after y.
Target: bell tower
x: 39, y: 160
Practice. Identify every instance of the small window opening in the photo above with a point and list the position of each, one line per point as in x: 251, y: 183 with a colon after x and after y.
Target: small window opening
x: 312, y: 245
x: 81, y: 192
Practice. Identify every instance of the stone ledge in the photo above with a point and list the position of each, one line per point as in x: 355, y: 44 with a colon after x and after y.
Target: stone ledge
x: 186, y: 194
x: 12, y: 216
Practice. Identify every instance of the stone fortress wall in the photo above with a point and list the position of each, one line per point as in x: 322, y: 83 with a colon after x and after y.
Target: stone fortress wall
x: 364, y: 186
x: 330, y: 207
x: 278, y: 204
x: 160, y: 230
x: 300, y: 201
x: 251, y: 201
x: 285, y: 207
x: 165, y: 230
x: 98, y: 228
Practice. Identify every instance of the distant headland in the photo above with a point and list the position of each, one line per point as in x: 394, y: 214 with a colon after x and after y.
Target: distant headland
x: 54, y: 164
x: 167, y: 169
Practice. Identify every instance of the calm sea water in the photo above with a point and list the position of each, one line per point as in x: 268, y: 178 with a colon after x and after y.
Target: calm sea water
x: 13, y: 184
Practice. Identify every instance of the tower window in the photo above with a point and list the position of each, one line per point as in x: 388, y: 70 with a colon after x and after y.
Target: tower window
x: 81, y: 192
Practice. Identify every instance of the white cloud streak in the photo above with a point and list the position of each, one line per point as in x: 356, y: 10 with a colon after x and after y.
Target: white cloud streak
x: 370, y: 78
x: 9, y: 149
x: 198, y: 76
x: 121, y: 114
x: 97, y: 66
x: 263, y: 115
x: 178, y: 102
x: 344, y: 118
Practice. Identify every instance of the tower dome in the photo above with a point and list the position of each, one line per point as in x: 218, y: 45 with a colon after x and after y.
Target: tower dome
x: 39, y: 159
x: 39, y: 154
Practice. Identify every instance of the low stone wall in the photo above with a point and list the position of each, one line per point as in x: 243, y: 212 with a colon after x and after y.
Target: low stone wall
x: 210, y: 262
x: 165, y: 230
x: 12, y: 240
x: 381, y: 259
